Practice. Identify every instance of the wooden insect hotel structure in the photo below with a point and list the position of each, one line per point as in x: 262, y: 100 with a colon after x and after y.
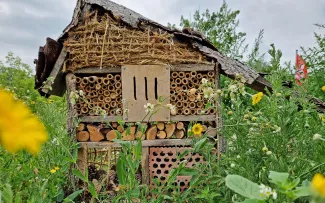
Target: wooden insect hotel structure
x: 111, y: 62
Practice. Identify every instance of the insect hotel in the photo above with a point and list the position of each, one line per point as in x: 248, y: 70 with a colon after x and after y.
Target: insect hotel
x: 128, y: 77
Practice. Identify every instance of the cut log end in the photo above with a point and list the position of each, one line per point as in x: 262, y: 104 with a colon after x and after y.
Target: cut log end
x: 82, y: 136
x: 180, y: 125
x: 161, y: 126
x: 81, y: 127
x: 170, y: 129
x: 161, y: 134
x: 151, y: 133
x: 129, y: 134
x: 111, y: 135
x: 179, y: 134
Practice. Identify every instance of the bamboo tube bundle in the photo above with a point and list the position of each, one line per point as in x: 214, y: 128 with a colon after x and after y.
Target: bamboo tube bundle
x: 212, y: 80
x: 199, y: 104
x: 101, y: 92
x: 179, y: 97
x: 211, y: 111
x: 105, y: 87
x: 186, y: 111
x: 111, y: 88
x: 118, y: 85
x: 188, y: 75
x: 173, y: 85
x: 87, y: 89
x: 85, y: 81
x: 107, y: 99
x: 193, y: 111
x: 184, y: 81
x: 101, y: 105
x: 198, y: 111
x: 84, y: 110
x: 118, y: 99
x: 173, y: 98
x: 192, y: 105
x: 211, y: 74
x: 184, y: 88
x: 95, y: 100
x: 106, y: 93
x: 92, y: 79
x: 199, y: 76
x: 192, y: 98
x: 110, y: 76
x: 179, y: 111
x: 172, y: 92
x: 174, y: 75
x: 178, y: 81
x: 112, y: 112
x: 185, y: 104
x: 195, y: 81
x: 179, y: 104
x: 193, y: 74
x: 113, y: 95
x: 99, y: 80
x: 185, y: 98
x: 119, y: 91
x: 78, y: 80
x: 113, y: 103
x: 107, y: 106
x: 191, y: 85
x: 178, y: 89
x: 78, y: 105
x: 117, y: 77
x: 79, y: 112
x: 181, y: 74
x: 105, y: 81
x: 98, y: 86
x: 119, y: 105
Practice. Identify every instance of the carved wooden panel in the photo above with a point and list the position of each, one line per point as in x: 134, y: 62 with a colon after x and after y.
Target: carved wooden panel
x: 144, y: 84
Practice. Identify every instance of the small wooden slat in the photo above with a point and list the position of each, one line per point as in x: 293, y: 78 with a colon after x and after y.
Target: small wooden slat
x: 193, y: 118
x: 98, y: 70
x: 172, y: 118
x: 82, y: 161
x: 145, y: 165
x: 117, y: 69
x: 58, y: 87
x: 145, y: 143
x: 91, y: 119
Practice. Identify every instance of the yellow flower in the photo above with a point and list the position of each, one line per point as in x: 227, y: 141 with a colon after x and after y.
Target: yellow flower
x: 323, y: 88
x: 56, y: 168
x: 19, y: 128
x: 318, y: 184
x: 32, y: 102
x: 254, y: 118
x: 52, y: 171
x: 257, y: 98
x: 197, y: 129
x: 51, y: 101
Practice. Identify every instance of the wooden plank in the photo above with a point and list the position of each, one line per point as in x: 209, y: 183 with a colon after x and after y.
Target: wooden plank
x: 172, y: 118
x: 82, y: 161
x: 72, y: 114
x: 117, y: 69
x: 192, y: 67
x: 193, y: 118
x: 98, y: 70
x: 145, y: 143
x: 139, y: 88
x: 91, y: 119
x: 58, y: 85
x: 145, y: 165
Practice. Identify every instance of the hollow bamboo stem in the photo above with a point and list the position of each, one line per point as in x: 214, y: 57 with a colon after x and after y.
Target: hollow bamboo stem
x: 181, y: 74
x: 118, y: 85
x: 175, y: 75
x: 186, y: 112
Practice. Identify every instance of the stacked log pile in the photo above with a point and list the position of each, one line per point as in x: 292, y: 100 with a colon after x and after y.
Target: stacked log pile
x: 143, y: 131
x: 99, y: 93
x: 185, y: 92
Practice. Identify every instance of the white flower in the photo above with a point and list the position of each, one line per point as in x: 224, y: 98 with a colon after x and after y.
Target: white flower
x: 265, y: 191
x: 233, y: 88
x: 317, y: 137
x: 219, y: 91
x: 173, y: 112
x: 207, y: 92
x: 276, y: 129
x: 268, y: 153
x: 204, y: 81
x: 274, y: 194
x: 238, y: 156
x: 118, y: 111
x: 234, y: 137
x: 81, y: 93
x: 149, y: 108
x: 232, y: 165
x: 126, y: 111
x: 170, y: 106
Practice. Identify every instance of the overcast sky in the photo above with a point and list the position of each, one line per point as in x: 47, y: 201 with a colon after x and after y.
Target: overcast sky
x: 25, y: 24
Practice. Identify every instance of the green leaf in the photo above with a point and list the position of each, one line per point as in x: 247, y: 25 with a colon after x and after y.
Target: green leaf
x: 92, y: 190
x: 121, y: 173
x: 243, y: 186
x: 188, y: 172
x: 73, y: 195
x: 200, y: 144
x: 79, y: 175
x: 301, y: 192
x: 183, y: 154
x: 7, y: 194
x: 252, y: 201
x: 278, y: 178
x: 135, y: 193
x: 293, y: 184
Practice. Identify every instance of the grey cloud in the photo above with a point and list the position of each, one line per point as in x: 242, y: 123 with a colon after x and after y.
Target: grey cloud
x: 24, y: 24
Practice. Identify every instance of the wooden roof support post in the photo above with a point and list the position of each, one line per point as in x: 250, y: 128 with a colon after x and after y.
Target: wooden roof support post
x: 221, y: 140
x: 145, y: 165
x: 71, y: 87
